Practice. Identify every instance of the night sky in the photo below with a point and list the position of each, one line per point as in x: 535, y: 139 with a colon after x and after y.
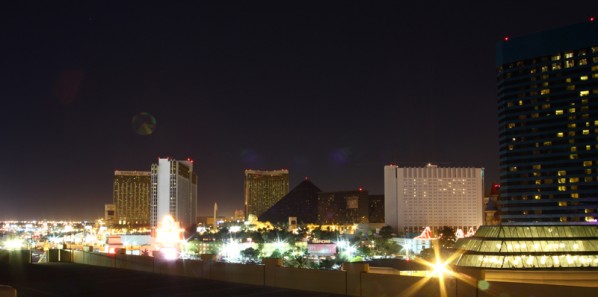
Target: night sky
x: 329, y: 90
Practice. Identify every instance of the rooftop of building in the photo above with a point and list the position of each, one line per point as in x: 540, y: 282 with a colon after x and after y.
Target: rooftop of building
x: 577, y: 36
x: 531, y: 247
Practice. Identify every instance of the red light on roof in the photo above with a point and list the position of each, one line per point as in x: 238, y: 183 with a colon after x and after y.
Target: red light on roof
x: 592, y: 19
x: 506, y: 38
x: 306, y: 178
x: 360, y: 189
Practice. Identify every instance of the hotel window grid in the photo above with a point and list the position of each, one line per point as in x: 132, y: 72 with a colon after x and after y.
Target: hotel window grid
x: 557, y: 139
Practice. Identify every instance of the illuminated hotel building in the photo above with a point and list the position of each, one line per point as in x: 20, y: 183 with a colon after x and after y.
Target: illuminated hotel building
x: 431, y: 196
x: 174, y: 192
x: 132, y: 198
x: 263, y: 189
x: 548, y: 126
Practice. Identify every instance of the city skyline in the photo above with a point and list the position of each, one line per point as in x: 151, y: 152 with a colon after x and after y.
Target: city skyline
x: 333, y: 92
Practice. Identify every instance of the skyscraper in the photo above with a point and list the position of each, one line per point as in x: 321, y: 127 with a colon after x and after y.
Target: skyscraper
x: 174, y: 191
x: 431, y: 196
x: 132, y: 198
x: 548, y: 125
x: 263, y: 189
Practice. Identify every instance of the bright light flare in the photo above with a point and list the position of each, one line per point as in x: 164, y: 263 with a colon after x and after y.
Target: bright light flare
x: 13, y: 244
x: 169, y: 253
x: 439, y: 268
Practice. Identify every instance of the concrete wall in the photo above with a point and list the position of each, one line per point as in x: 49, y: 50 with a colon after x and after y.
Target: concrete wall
x: 356, y: 279
x: 329, y: 281
x: 252, y: 274
x: 188, y: 268
x: 15, y: 257
x: 138, y: 263
x: 396, y: 285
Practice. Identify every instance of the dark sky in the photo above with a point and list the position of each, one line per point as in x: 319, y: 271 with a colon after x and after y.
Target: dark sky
x: 330, y: 90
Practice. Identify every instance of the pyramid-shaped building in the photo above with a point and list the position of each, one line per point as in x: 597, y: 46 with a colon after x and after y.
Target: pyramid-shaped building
x: 301, y: 202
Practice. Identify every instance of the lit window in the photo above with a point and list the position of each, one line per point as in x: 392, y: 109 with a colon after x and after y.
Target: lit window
x: 562, y: 180
x: 544, y: 69
x: 568, y: 55
x: 588, y: 179
x: 572, y: 125
x: 561, y: 173
x: 538, y: 182
x: 583, y: 62
x: 571, y: 88
x: 545, y: 106
x: 586, y: 132
x: 574, y: 179
x: 562, y: 203
x: 537, y: 197
x: 569, y: 64
x: 512, y: 169
x: 588, y: 147
x: 511, y: 125
x: 562, y: 188
x: 584, y: 77
x: 556, y: 66
x: 520, y: 102
x: 537, y: 166
x: 548, y: 143
x: 588, y: 171
x: 558, y: 112
x: 559, y: 134
x: 555, y: 58
x: 572, y: 110
x: 573, y: 149
x: 584, y: 93
x: 568, y: 79
x: 587, y: 163
x: 546, y: 92
x: 535, y: 115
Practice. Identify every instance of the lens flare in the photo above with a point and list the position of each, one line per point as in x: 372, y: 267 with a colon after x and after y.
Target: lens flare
x: 144, y: 124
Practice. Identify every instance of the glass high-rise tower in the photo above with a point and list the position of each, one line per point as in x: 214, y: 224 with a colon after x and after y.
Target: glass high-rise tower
x: 548, y: 126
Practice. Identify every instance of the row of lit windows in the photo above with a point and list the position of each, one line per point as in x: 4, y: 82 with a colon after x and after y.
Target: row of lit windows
x: 550, y: 181
x: 529, y: 261
x: 561, y: 172
x: 554, y: 58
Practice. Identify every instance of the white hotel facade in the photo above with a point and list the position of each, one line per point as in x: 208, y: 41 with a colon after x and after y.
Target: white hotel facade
x: 173, y: 192
x: 431, y: 196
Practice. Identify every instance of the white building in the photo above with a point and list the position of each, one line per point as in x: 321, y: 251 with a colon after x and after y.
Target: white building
x: 173, y: 192
x: 415, y: 198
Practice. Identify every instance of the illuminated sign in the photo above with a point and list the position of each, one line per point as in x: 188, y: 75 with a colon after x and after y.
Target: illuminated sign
x: 321, y: 249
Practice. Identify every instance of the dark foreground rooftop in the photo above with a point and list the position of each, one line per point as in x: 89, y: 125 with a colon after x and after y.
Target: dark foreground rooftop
x: 66, y: 279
